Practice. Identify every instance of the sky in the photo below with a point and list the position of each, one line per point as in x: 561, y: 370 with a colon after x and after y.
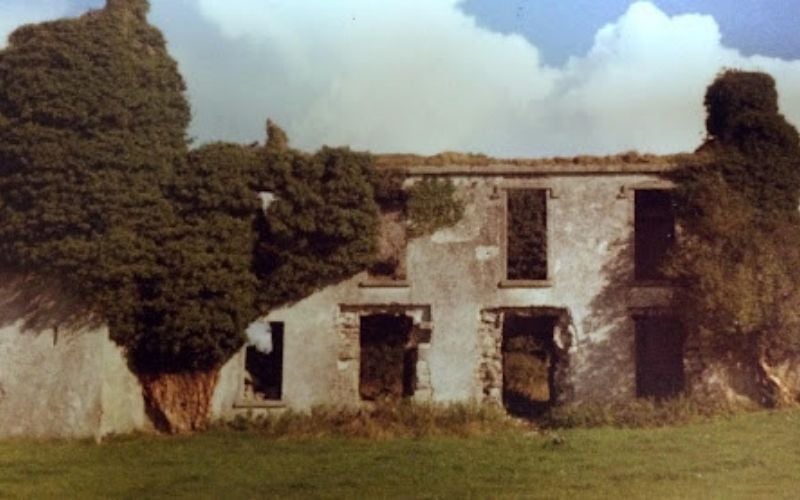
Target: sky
x: 504, y: 77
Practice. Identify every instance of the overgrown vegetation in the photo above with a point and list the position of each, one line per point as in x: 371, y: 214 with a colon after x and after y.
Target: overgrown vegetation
x: 92, y: 125
x: 432, y: 205
x: 421, y: 209
x: 527, y: 234
x: 171, y: 249
x: 385, y: 420
x: 638, y: 413
x: 739, y: 249
x: 322, y: 226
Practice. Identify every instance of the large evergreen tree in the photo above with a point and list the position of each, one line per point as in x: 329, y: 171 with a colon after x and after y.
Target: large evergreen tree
x: 739, y: 248
x: 753, y: 146
x: 173, y: 250
x: 194, y: 314
x: 92, y: 122
x: 321, y: 227
x: 203, y: 296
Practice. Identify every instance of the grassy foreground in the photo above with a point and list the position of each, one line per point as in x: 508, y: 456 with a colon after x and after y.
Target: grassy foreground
x: 754, y: 455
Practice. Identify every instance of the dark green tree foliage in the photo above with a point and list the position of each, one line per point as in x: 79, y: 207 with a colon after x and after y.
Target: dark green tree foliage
x: 92, y: 120
x: 204, y: 296
x: 389, y: 192
x: 733, y: 96
x: 756, y: 150
x: 322, y: 226
x: 739, y: 248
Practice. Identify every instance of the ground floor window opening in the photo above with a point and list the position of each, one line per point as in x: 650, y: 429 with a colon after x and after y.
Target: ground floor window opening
x: 388, y: 357
x: 659, y: 356
x: 263, y: 380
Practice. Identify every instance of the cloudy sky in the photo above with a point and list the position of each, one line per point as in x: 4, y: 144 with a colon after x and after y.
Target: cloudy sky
x: 505, y: 77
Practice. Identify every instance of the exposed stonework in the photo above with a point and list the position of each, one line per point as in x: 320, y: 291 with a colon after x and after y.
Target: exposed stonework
x: 348, y: 326
x: 348, y: 330
x: 490, y: 336
x: 490, y: 369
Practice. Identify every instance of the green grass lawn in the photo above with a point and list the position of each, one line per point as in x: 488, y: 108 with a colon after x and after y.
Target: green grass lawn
x: 754, y: 455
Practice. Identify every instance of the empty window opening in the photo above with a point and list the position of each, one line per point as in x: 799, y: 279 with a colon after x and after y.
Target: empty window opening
x: 526, y: 227
x: 529, y: 364
x: 264, y: 366
x: 654, y: 229
x: 388, y: 357
x: 659, y: 357
x: 390, y: 261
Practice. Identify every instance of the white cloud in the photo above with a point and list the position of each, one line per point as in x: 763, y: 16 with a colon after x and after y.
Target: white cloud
x: 422, y: 76
x: 411, y: 75
x: 641, y: 85
x: 14, y: 14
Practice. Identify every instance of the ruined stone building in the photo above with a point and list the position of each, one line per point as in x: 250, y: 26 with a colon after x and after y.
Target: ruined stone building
x: 458, y: 319
x: 595, y: 309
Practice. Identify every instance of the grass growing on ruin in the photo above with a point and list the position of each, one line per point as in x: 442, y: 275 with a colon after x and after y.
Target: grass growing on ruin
x: 755, y: 455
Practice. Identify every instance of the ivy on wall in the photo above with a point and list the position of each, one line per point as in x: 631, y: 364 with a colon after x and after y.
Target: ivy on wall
x: 433, y: 205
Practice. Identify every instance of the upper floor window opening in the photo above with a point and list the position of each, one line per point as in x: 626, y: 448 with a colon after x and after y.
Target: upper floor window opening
x: 654, y: 232
x: 526, y: 234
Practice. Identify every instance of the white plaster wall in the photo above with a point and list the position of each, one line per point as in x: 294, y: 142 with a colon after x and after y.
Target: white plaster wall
x: 229, y: 385
x: 123, y: 408
x: 590, y: 254
x: 310, y: 342
x: 67, y: 384
x: 50, y: 385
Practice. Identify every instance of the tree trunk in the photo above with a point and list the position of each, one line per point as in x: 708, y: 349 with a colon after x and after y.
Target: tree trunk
x: 775, y: 391
x: 179, y: 402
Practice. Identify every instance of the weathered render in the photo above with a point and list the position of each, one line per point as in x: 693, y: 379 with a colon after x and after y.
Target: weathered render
x: 450, y: 313
x: 456, y: 291
x: 59, y: 377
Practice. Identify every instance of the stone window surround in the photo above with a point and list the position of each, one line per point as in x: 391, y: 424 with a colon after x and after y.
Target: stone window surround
x: 551, y: 194
x: 348, y: 331
x: 489, y: 373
